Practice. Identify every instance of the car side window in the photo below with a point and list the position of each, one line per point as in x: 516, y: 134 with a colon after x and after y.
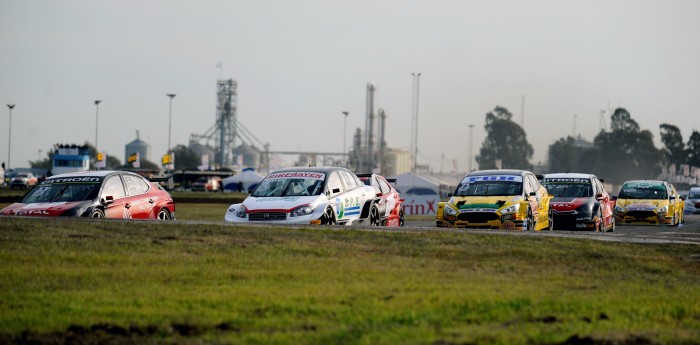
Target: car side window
x: 135, y: 185
x: 349, y: 181
x: 334, y: 184
x: 383, y: 186
x: 531, y: 181
x: 113, y: 187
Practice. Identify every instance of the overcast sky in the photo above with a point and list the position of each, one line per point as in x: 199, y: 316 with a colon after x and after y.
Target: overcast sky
x: 300, y: 64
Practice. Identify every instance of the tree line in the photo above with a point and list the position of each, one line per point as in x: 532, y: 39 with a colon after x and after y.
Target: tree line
x: 624, y: 152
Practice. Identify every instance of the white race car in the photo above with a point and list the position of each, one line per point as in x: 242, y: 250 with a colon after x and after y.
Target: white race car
x: 313, y: 195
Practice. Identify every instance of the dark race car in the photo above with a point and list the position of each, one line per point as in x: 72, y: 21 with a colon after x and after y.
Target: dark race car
x: 97, y: 194
x: 390, y: 207
x: 580, y: 202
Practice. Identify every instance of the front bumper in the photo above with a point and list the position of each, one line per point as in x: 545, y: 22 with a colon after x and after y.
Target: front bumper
x: 643, y: 218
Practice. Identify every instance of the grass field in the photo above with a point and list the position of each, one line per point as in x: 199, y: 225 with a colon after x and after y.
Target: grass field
x: 149, y: 282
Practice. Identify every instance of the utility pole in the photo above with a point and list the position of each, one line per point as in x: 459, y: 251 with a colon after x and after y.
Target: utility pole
x: 9, y: 137
x: 414, y: 134
x: 471, y: 144
x: 170, y: 119
x: 345, y: 139
x: 97, y: 112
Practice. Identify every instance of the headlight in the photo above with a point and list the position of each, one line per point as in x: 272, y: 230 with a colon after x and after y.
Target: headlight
x: 240, y: 212
x: 662, y: 209
x: 302, y: 211
x: 619, y: 209
x: 511, y: 209
x: 449, y: 211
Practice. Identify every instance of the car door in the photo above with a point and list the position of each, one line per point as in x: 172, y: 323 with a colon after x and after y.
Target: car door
x: 113, y: 197
x: 139, y: 203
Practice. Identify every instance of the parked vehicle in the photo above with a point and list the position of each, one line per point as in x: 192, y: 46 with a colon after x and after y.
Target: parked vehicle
x: 23, y: 180
x: 207, y: 184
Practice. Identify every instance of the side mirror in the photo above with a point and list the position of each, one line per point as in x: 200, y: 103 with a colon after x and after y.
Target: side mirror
x: 599, y: 196
x: 614, y: 197
x: 336, y: 190
x: 379, y: 194
x: 108, y: 200
x: 533, y: 194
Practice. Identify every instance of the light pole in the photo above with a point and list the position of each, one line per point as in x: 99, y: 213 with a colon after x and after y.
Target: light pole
x: 414, y: 134
x: 471, y: 144
x: 9, y: 137
x: 97, y: 114
x: 345, y: 137
x: 170, y: 118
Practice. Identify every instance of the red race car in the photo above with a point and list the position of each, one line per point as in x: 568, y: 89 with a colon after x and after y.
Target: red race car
x: 390, y: 207
x: 97, y: 194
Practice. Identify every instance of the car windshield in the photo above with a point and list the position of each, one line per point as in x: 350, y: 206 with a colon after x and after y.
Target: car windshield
x: 489, y: 188
x: 643, y: 192
x: 695, y: 195
x: 290, y: 184
x: 569, y: 189
x: 62, y: 192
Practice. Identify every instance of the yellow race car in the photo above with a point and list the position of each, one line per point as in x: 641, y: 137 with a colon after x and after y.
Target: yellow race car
x: 648, y: 202
x: 497, y: 199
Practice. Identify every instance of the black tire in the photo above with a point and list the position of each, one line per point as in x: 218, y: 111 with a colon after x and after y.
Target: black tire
x: 530, y: 221
x: 612, y: 225
x: 599, y: 227
x: 401, y: 219
x: 328, y: 217
x: 164, y: 214
x: 550, y: 217
x: 374, y: 217
x: 97, y: 213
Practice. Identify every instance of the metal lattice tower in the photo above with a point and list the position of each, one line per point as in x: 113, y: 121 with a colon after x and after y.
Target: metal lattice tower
x: 226, y: 110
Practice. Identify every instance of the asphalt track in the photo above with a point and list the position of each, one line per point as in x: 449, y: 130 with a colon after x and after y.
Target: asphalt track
x: 688, y: 233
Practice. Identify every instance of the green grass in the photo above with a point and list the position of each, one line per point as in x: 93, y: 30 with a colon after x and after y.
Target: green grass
x: 240, y: 284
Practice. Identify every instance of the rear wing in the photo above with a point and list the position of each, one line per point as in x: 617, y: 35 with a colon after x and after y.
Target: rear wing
x: 390, y: 180
x: 165, y: 181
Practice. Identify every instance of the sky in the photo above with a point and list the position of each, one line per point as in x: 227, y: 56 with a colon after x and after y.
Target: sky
x: 300, y: 64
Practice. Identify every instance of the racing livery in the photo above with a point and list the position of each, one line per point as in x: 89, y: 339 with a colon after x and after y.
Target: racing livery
x: 580, y: 202
x: 497, y: 199
x: 313, y: 195
x: 389, y: 208
x: 648, y: 202
x: 97, y: 194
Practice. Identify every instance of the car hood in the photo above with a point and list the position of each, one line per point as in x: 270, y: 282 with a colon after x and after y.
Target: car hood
x: 568, y: 203
x: 490, y: 203
x: 40, y: 209
x: 641, y: 204
x: 284, y: 203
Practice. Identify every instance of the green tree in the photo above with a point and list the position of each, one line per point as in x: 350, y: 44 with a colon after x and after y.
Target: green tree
x: 626, y: 152
x: 694, y: 149
x: 674, y: 151
x: 561, y: 156
x: 505, y: 141
x: 185, y: 158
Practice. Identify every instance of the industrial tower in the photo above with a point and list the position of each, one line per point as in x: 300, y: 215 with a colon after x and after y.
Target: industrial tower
x: 226, y: 110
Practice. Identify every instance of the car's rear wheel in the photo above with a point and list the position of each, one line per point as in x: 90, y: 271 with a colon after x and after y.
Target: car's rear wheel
x: 598, y: 225
x: 164, y: 214
x: 328, y: 217
x: 550, y: 217
x: 612, y: 224
x: 374, y: 219
x: 530, y: 221
x: 97, y: 213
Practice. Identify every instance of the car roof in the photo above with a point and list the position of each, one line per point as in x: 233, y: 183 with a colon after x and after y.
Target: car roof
x: 97, y: 173
x: 497, y: 172
x: 649, y: 181
x: 321, y: 169
x: 569, y: 175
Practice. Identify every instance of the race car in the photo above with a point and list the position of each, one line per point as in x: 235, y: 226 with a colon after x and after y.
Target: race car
x: 648, y: 202
x: 97, y: 194
x: 389, y: 206
x: 580, y: 202
x: 23, y: 180
x: 308, y: 195
x: 497, y: 199
x: 692, y: 202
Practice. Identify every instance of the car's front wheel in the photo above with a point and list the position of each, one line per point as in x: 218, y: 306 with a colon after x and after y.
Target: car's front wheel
x: 328, y: 217
x: 551, y: 220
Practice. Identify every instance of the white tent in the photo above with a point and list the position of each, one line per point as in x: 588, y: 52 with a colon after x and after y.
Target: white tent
x: 248, y: 177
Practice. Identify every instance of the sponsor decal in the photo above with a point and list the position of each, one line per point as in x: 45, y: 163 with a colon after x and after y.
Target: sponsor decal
x: 285, y: 199
x: 33, y: 213
x: 568, y: 179
x: 72, y: 180
x: 509, y: 225
x: 470, y: 179
x: 311, y: 175
x: 476, y: 209
x: 640, y: 207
